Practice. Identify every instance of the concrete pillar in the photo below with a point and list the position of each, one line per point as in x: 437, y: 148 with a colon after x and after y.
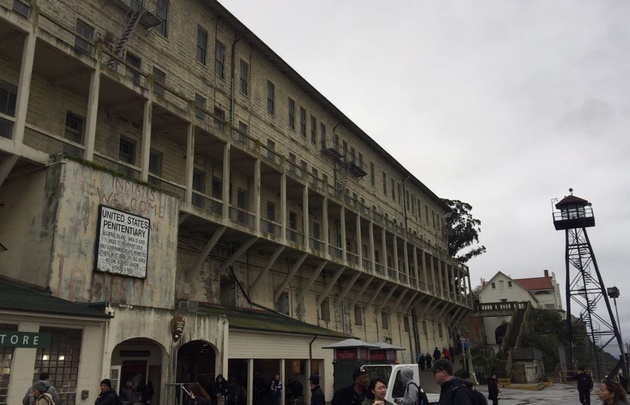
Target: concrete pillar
x: 342, y: 220
x: 416, y: 272
x: 146, y: 139
x: 283, y: 206
x: 257, y: 196
x: 326, y: 237
x: 359, y: 242
x: 305, y: 216
x: 384, y: 250
x: 92, y: 106
x: 372, y: 247
x: 190, y: 160
x: 396, y: 266
x: 24, y: 84
x: 226, y: 182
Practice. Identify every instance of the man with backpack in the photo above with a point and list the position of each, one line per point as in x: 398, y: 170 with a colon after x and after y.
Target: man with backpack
x: 29, y: 399
x: 454, y: 390
x: 414, y: 395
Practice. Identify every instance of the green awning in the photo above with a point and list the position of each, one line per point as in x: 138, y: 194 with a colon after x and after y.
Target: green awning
x: 14, y: 297
x: 269, y: 321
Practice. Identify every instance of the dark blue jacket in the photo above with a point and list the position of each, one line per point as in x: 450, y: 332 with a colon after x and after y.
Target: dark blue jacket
x: 452, y: 393
x: 108, y: 397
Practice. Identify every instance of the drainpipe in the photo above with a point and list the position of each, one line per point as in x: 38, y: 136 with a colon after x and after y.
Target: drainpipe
x: 404, y: 198
x: 232, y: 71
x: 310, y: 354
x: 335, y: 161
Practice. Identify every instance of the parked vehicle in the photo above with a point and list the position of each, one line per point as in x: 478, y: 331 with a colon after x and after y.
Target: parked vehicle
x: 395, y: 386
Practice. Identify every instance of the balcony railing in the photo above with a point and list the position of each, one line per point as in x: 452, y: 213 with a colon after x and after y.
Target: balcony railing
x: 335, y: 251
x: 209, y: 204
x: 241, y: 216
x: 271, y: 228
x: 352, y: 258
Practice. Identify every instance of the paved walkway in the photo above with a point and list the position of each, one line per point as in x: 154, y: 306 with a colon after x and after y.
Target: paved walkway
x: 558, y: 394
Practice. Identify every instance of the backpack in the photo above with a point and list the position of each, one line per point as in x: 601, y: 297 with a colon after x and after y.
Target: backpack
x: 422, y: 396
x: 477, y: 397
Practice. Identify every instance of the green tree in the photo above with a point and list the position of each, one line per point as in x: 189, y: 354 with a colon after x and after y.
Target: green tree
x: 547, y: 335
x: 463, y: 231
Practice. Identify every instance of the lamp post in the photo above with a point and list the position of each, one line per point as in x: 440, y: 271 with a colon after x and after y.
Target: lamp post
x: 613, y: 292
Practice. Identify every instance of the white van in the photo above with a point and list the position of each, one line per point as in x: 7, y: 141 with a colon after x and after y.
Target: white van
x: 395, y: 386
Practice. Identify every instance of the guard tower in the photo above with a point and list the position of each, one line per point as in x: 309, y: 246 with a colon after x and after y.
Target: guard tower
x: 585, y: 287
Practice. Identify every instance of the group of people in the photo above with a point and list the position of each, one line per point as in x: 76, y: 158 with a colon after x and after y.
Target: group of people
x: 610, y: 391
x: 363, y: 391
x: 220, y: 392
x: 453, y: 390
x: 425, y: 360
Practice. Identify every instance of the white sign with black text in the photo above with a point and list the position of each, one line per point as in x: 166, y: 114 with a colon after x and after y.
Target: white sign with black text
x: 123, y: 243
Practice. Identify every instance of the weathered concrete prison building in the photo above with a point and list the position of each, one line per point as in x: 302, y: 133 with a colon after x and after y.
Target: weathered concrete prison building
x: 177, y: 202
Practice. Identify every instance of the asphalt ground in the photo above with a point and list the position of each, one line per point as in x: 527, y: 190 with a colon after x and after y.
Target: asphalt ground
x: 558, y: 394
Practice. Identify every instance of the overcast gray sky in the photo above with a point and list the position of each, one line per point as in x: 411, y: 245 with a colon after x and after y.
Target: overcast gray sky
x: 503, y: 104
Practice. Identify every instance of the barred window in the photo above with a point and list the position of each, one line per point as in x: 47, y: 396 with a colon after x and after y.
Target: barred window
x: 6, y: 357
x: 61, y: 361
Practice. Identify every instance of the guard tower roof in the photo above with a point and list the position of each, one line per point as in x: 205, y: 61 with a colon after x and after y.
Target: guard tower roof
x: 571, y: 200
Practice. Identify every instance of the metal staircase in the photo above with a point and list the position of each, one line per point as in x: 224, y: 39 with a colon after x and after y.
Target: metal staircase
x: 343, y: 180
x: 133, y: 18
x: 136, y: 12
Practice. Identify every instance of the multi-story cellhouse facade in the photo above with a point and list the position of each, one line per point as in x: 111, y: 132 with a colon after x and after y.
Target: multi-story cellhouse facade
x: 177, y: 202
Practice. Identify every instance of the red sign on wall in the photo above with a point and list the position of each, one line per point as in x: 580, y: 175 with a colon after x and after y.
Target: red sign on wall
x: 346, y: 354
x: 378, y: 355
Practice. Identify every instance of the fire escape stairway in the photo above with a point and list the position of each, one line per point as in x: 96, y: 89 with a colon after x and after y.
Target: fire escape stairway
x: 345, y: 169
x: 132, y: 23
